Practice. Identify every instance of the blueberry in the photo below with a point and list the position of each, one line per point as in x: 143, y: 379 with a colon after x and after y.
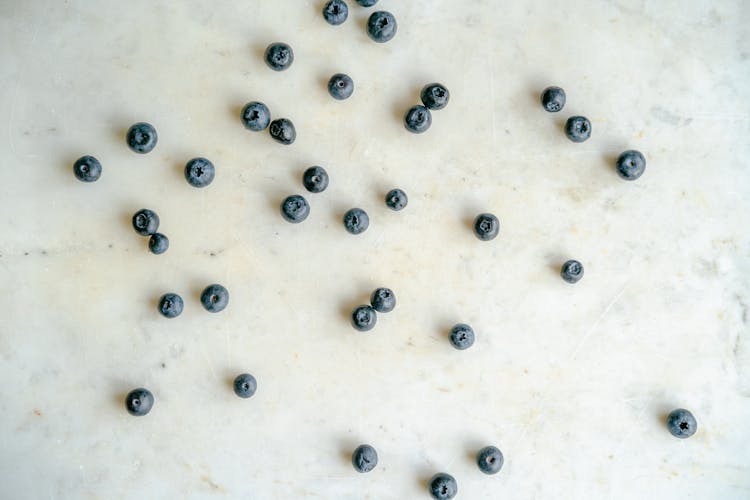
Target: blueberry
x: 364, y: 458
x: 255, y: 116
x: 282, y: 130
x: 396, y: 199
x: 490, y: 460
x: 279, y: 56
x: 383, y: 300
x: 435, y: 96
x: 335, y: 12
x: 381, y: 26
x: 139, y: 402
x: 199, y: 172
x: 145, y: 222
x: 315, y: 179
x: 158, y: 243
x: 87, y: 169
x: 215, y: 298
x: 245, y: 385
x: 418, y: 119
x: 486, y: 227
x: 578, y: 128
x: 340, y: 86
x: 572, y: 271
x: 443, y: 486
x: 462, y: 336
x: 631, y: 164
x: 364, y: 318
x: 553, y: 99
x: 171, y: 305
x: 142, y: 138
x: 681, y: 423
x: 295, y: 209
x: 367, y: 3
x: 356, y: 221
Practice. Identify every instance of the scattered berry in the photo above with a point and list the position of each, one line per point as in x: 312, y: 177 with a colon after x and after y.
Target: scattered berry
x: 381, y: 26
x: 490, y: 460
x: 199, y: 172
x: 383, y: 300
x: 418, y: 119
x: 87, y: 169
x: 315, y: 179
x: 158, y: 243
x: 443, y: 486
x: 631, y: 164
x: 282, y: 130
x: 681, y: 423
x: 364, y: 458
x: 572, y: 271
x: 279, y: 56
x: 145, y: 222
x: 462, y: 336
x: 356, y: 221
x: 245, y: 385
x: 171, y: 305
x: 553, y: 99
x: 364, y: 318
x: 578, y: 128
x: 486, y: 227
x: 139, y: 402
x: 341, y: 86
x: 142, y: 138
x: 396, y: 199
x: 435, y: 96
x: 295, y: 209
x: 255, y: 116
x: 215, y: 298
x: 335, y: 12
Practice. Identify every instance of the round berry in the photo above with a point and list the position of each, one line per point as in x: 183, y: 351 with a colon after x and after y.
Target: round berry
x: 255, y: 116
x: 572, y: 271
x: 315, y: 179
x: 139, y: 402
x: 435, y: 96
x: 443, y: 486
x: 335, y: 12
x: 341, y: 86
x: 282, y: 131
x: 279, y: 56
x: 631, y: 164
x: 418, y: 119
x: 215, y: 298
x: 364, y: 318
x: 462, y: 336
x: 356, y: 221
x: 142, y: 138
x: 295, y: 209
x: 681, y: 423
x: 145, y: 222
x: 381, y: 26
x: 158, y: 243
x: 364, y: 458
x: 199, y: 172
x: 383, y: 300
x: 245, y: 385
x: 578, y: 128
x: 87, y: 169
x: 396, y: 199
x: 171, y: 305
x: 553, y: 99
x: 490, y: 460
x: 486, y: 227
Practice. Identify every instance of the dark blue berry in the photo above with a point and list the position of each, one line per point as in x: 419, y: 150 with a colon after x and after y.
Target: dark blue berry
x: 631, y: 164
x: 364, y: 458
x: 279, y: 56
x: 553, y: 99
x: 295, y: 209
x: 139, y: 402
x: 381, y: 26
x: 681, y: 423
x: 396, y: 199
x: 490, y: 460
x: 199, y: 172
x: 335, y: 12
x: 215, y: 298
x: 462, y: 336
x: 435, y: 96
x: 87, y: 169
x: 245, y: 385
x: 418, y: 119
x: 145, y: 222
x: 443, y: 486
x: 158, y: 243
x: 364, y: 318
x: 367, y: 3
x: 340, y: 86
x: 255, y: 116
x: 171, y: 305
x: 572, y: 271
x: 315, y: 179
x: 356, y: 221
x: 282, y: 130
x: 578, y: 128
x: 142, y: 138
x: 486, y: 227
x: 383, y: 300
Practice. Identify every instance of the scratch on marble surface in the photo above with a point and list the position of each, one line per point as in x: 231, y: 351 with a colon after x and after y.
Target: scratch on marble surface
x: 598, y: 320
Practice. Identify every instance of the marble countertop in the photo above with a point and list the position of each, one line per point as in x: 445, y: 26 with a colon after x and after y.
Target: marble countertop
x: 572, y: 383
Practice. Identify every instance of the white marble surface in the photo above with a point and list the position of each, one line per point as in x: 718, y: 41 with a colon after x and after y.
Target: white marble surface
x: 571, y: 382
